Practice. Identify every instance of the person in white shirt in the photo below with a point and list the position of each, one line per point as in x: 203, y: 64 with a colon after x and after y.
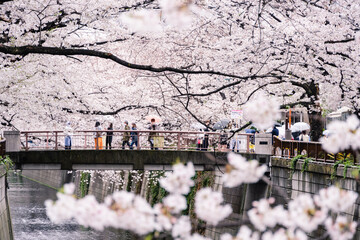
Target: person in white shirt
x: 304, y: 137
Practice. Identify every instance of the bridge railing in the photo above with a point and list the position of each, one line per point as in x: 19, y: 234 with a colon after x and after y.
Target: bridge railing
x: 162, y: 140
x: 291, y: 148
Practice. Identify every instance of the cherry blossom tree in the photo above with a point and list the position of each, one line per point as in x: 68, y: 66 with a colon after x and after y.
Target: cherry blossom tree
x: 180, y: 59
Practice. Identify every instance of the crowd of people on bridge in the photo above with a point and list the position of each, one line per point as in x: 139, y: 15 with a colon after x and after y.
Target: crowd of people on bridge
x: 130, y: 137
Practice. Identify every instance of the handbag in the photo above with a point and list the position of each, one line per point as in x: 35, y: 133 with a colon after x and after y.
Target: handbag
x: 158, y: 141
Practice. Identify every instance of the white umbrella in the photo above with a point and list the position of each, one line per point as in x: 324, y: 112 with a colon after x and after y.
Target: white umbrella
x: 281, y: 131
x: 327, y: 133
x: 150, y: 117
x: 300, y: 126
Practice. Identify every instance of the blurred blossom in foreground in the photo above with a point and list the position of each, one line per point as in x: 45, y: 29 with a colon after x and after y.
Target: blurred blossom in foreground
x: 342, y: 229
x: 345, y: 135
x: 208, y: 206
x: 125, y: 210
x: 244, y: 233
x: 142, y: 20
x: 178, y: 12
x: 285, y: 235
x: 179, y: 181
x: 336, y: 199
x: 262, y: 111
x: 263, y: 216
x: 239, y: 171
x: 306, y: 214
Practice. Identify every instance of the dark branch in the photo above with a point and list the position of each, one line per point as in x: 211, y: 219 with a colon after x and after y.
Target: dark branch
x: 24, y: 50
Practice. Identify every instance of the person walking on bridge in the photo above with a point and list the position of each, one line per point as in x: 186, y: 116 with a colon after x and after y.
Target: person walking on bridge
x: 152, y: 135
x: 109, y: 136
x: 68, y: 133
x: 97, y: 136
x: 126, y: 136
x: 134, y: 136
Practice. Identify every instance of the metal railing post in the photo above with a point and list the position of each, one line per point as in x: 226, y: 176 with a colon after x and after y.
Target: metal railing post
x: 56, y: 140
x: 178, y: 141
x: 47, y: 140
x: 26, y: 144
x: 247, y: 143
x: 138, y: 141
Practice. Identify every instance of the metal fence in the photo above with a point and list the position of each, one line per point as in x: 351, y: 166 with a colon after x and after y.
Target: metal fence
x: 162, y: 140
x: 289, y: 148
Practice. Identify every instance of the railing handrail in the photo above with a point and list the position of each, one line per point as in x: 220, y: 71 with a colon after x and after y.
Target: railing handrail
x: 313, y: 149
x: 139, y: 131
x: 163, y: 139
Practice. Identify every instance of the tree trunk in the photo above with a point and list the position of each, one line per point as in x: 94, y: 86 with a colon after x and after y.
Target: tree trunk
x: 316, y: 125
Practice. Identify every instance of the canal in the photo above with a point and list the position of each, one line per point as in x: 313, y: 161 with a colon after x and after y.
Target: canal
x: 28, y: 214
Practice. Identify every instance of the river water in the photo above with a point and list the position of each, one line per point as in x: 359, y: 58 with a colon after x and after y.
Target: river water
x: 28, y: 214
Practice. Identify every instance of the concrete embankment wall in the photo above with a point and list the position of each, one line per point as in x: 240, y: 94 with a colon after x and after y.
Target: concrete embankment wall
x: 5, y: 220
x: 52, y: 178
x: 311, y: 179
x: 240, y: 198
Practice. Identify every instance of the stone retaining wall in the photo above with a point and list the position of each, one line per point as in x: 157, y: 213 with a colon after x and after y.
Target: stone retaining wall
x: 5, y: 220
x: 52, y: 178
x: 316, y: 176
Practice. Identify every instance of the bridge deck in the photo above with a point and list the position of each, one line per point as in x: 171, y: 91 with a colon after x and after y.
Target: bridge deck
x: 120, y: 159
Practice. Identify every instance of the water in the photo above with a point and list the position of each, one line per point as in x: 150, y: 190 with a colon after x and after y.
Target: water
x: 28, y: 214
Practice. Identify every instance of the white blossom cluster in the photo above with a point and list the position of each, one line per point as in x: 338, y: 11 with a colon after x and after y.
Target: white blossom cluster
x: 305, y: 214
x: 343, y: 135
x: 208, y: 206
x: 125, y: 210
x: 239, y: 171
x: 179, y: 181
x: 262, y: 111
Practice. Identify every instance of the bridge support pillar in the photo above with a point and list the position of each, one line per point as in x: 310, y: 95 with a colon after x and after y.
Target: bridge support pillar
x: 12, y: 141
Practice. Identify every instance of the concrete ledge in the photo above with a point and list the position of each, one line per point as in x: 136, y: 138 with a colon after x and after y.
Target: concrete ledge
x: 138, y: 159
x: 315, y: 167
x: 100, y: 159
x: 102, y: 167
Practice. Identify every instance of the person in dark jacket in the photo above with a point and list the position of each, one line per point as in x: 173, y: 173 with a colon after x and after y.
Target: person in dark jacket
x: 274, y: 132
x: 134, y: 136
x: 109, y: 136
x: 205, y: 143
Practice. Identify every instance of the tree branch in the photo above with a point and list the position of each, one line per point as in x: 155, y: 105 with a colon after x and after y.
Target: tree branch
x: 24, y: 50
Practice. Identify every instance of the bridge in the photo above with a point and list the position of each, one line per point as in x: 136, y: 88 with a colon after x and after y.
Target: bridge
x: 46, y: 150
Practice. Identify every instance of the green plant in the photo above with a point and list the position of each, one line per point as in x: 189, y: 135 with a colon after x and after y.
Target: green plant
x: 6, y: 162
x: 335, y: 167
x: 84, y: 183
x: 348, y: 163
x: 305, y: 165
x: 293, y: 162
